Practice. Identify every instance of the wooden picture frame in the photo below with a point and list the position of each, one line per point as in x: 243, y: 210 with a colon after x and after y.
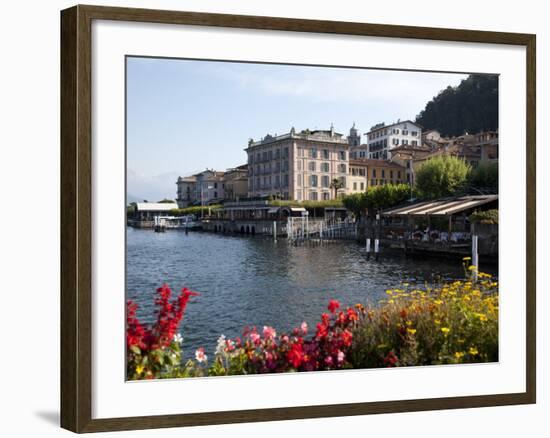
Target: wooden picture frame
x: 76, y: 218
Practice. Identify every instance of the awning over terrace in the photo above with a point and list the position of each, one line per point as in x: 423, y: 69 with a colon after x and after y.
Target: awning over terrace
x: 441, y: 207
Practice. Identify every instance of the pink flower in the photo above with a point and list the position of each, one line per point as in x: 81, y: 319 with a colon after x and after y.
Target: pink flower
x: 255, y: 337
x: 341, y: 357
x: 303, y: 327
x: 269, y: 332
x: 200, y: 356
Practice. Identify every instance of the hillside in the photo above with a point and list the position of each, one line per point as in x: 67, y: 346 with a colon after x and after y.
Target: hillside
x: 470, y: 107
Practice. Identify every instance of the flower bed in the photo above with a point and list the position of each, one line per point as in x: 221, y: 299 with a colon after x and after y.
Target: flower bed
x: 455, y: 322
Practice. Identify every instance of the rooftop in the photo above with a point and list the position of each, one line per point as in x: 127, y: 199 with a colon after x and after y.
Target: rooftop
x: 329, y: 136
x: 441, y: 207
x: 156, y: 206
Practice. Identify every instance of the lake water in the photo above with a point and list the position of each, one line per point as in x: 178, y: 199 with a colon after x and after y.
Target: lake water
x: 255, y: 281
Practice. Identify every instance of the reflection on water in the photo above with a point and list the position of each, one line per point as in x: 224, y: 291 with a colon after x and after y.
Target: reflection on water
x: 255, y: 281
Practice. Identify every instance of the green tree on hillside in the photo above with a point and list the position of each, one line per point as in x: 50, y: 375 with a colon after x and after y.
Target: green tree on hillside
x: 470, y: 107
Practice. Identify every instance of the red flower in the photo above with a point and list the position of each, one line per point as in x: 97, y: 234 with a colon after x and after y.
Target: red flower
x: 347, y: 338
x: 333, y: 305
x: 296, y: 355
x: 322, y: 331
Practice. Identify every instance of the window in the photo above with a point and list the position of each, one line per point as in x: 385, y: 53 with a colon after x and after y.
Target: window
x: 399, y: 174
x: 342, y: 168
x: 285, y: 166
x: 396, y: 131
x: 325, y: 181
x: 264, y: 156
x: 215, y: 194
x: 311, y: 166
x: 301, y: 152
x: 342, y: 155
x: 362, y: 186
x: 299, y: 195
x: 405, y: 132
x: 313, y: 153
x: 270, y: 155
x: 313, y: 180
x: 374, y: 173
x: 414, y: 133
x: 278, y: 181
x: 326, y: 196
x: 285, y: 153
x: 298, y: 165
x: 313, y: 196
x: 299, y: 179
x: 404, y: 141
x: 285, y: 180
x: 414, y: 142
x: 215, y: 185
x: 325, y: 154
x: 354, y: 186
x: 277, y: 154
x: 395, y: 141
x: 383, y: 173
x: 391, y: 174
x: 325, y: 167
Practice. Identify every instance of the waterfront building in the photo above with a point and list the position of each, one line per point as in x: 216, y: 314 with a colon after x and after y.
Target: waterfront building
x: 236, y: 183
x: 382, y: 172
x: 410, y: 157
x: 358, y: 179
x: 298, y: 165
x: 146, y: 211
x: 186, y: 191
x: 382, y: 138
x: 203, y: 188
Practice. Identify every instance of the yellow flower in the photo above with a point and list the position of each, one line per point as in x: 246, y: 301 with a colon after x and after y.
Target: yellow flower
x: 466, y: 258
x: 389, y: 292
x: 411, y: 331
x: 481, y: 316
x: 472, y: 268
x: 391, y: 301
x: 438, y: 302
x: 445, y: 330
x: 437, y: 321
x: 473, y: 351
x: 459, y: 354
x: 139, y: 369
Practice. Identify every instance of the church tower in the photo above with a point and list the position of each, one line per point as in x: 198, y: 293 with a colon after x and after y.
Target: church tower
x: 354, y: 138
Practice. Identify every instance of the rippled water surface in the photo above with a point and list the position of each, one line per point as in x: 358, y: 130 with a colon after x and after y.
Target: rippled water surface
x: 255, y: 281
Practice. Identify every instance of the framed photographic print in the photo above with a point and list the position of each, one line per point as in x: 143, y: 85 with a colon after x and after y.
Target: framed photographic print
x: 259, y: 212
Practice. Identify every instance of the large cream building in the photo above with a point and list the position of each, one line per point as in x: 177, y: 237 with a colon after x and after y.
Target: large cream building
x: 298, y: 165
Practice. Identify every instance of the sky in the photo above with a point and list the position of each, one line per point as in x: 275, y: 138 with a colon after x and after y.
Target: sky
x: 184, y: 116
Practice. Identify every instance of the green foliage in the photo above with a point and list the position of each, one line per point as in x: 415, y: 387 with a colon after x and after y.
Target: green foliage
x: 487, y: 217
x: 166, y: 201
x: 377, y: 198
x: 453, y: 322
x: 331, y: 203
x: 470, y: 107
x: 485, y: 177
x: 442, y: 176
x: 194, y: 210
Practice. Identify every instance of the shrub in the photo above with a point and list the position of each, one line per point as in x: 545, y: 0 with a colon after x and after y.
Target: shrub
x: 488, y: 217
x: 485, y: 177
x: 442, y: 176
x: 452, y: 323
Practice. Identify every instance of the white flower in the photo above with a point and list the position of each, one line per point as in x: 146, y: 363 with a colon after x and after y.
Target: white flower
x: 200, y: 356
x: 178, y: 339
x: 220, y: 347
